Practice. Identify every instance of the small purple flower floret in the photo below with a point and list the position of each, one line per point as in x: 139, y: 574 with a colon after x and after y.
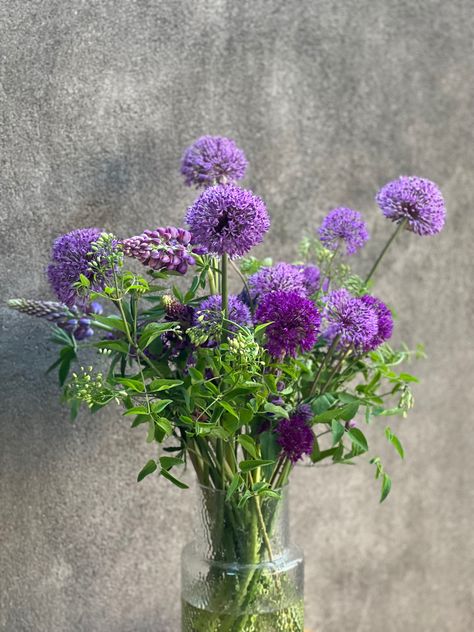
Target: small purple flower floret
x: 280, y: 277
x: 213, y: 160
x: 343, y: 226
x: 384, y: 321
x: 209, y: 313
x: 349, y: 318
x: 295, y: 438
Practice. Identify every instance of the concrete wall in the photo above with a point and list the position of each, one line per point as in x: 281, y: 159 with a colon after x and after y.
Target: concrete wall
x: 329, y: 100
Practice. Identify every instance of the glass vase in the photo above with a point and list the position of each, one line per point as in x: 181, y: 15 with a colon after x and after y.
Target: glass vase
x: 241, y: 574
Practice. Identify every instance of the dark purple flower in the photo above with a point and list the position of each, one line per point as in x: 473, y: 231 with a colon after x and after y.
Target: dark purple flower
x: 311, y: 278
x: 71, y: 256
x: 417, y: 200
x: 177, y: 312
x: 213, y: 160
x: 294, y: 321
x: 343, y: 226
x: 305, y: 412
x: 280, y: 277
x: 227, y: 219
x: 209, y: 315
x: 295, y: 438
x: 384, y: 321
x: 349, y: 318
x: 162, y: 249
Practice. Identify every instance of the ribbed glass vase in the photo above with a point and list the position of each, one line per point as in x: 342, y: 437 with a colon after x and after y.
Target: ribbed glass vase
x: 240, y: 574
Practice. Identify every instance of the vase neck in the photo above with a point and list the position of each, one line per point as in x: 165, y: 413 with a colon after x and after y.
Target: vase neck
x: 249, y: 532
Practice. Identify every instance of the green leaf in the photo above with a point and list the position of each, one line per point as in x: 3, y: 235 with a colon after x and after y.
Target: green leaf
x: 253, y: 464
x: 167, y: 462
x: 140, y: 419
x: 322, y: 403
x: 337, y: 431
x: 165, y: 425
x: 196, y: 376
x: 350, y: 411
x: 163, y: 385
x: 173, y: 480
x: 234, y: 484
x: 149, y: 468
x: 276, y: 410
x: 114, y: 345
x: 248, y: 443
x: 395, y: 441
x: 226, y: 406
x: 357, y: 437
x: 137, y: 410
x: 152, y: 331
x: 386, y: 487
x: 84, y: 281
x: 134, y: 385
x: 160, y: 405
x: 109, y: 322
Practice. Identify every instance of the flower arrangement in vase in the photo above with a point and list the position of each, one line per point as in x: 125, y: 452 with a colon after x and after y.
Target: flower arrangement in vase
x: 239, y: 386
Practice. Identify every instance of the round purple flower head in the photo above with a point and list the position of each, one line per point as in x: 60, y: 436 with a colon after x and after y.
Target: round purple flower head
x: 161, y: 249
x: 417, y: 200
x: 295, y: 437
x: 384, y: 321
x: 228, y: 219
x: 213, y: 160
x: 294, y: 322
x: 209, y: 313
x: 70, y: 257
x: 280, y: 277
x: 351, y: 319
x: 305, y: 412
x: 311, y: 278
x: 343, y: 226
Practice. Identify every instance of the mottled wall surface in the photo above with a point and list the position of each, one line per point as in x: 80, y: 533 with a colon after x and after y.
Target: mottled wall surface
x: 329, y: 100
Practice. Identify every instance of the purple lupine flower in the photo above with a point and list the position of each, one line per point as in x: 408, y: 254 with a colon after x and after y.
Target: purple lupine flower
x: 162, y: 249
x: 311, y: 278
x: 281, y: 277
x: 176, y: 311
x: 343, y: 226
x: 384, y: 321
x: 417, y: 200
x: 71, y: 256
x: 212, y: 160
x: 294, y: 319
x: 228, y: 219
x: 209, y: 315
x: 305, y: 412
x: 350, y: 319
x: 295, y: 438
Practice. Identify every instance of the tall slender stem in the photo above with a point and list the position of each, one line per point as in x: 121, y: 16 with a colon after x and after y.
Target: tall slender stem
x: 224, y: 293
x: 398, y: 229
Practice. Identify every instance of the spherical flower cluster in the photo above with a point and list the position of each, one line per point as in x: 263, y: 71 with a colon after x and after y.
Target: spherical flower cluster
x: 162, y: 249
x: 305, y: 412
x: 350, y: 319
x: 311, y: 278
x: 227, y: 219
x: 70, y: 257
x: 416, y: 200
x: 384, y: 321
x: 209, y: 316
x: 294, y: 319
x: 281, y: 277
x: 343, y: 226
x: 295, y: 437
x: 213, y: 160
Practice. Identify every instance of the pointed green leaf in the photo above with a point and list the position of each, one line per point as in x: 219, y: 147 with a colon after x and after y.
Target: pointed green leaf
x: 149, y: 468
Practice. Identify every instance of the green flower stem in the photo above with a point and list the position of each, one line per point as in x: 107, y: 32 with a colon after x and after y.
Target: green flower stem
x: 246, y: 285
x: 324, y: 362
x: 224, y: 293
x: 398, y: 229
x: 336, y: 369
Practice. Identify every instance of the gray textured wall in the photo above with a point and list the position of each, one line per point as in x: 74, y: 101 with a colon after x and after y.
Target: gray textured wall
x: 329, y: 100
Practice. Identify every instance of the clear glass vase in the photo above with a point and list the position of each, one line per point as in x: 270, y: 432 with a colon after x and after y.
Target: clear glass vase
x: 240, y: 574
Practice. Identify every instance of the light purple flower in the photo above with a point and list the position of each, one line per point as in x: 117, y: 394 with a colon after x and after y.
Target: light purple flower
x: 295, y: 438
x: 349, y: 319
x: 281, y: 277
x: 162, y: 249
x: 384, y: 321
x: 343, y: 226
x: 417, y: 200
x: 228, y: 219
x: 294, y: 320
x: 311, y: 278
x: 212, y: 160
x: 209, y: 314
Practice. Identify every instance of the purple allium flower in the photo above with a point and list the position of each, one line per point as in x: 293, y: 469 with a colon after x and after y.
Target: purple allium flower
x: 343, y: 226
x: 227, y: 219
x: 311, y: 278
x: 349, y: 318
x: 280, y: 277
x: 71, y: 256
x: 295, y: 438
x: 213, y: 160
x: 305, y: 412
x: 209, y: 313
x: 384, y: 321
x: 162, y: 249
x: 415, y: 199
x: 294, y: 322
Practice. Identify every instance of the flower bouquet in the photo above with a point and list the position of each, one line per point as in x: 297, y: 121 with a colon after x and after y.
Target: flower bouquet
x: 243, y: 386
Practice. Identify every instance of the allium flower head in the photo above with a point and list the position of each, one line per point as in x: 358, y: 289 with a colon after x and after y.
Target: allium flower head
x: 294, y: 321
x: 213, y: 160
x: 311, y: 278
x: 351, y: 319
x: 295, y: 437
x: 343, y: 226
x: 228, y: 219
x: 209, y: 316
x: 162, y: 249
x: 384, y: 321
x: 71, y: 256
x: 280, y: 277
x: 417, y: 200
x: 305, y: 412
